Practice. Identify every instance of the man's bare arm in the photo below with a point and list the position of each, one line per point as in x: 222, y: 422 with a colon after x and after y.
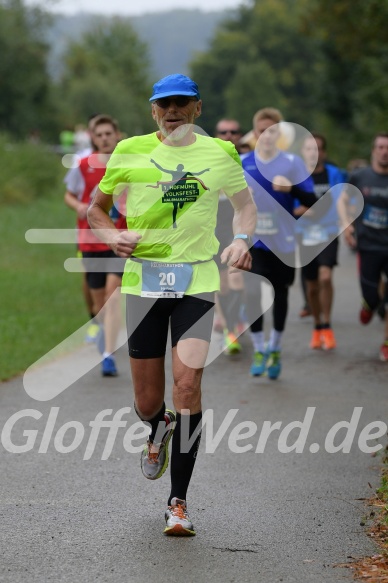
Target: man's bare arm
x: 345, y: 219
x: 71, y: 200
x: 123, y: 243
x: 244, y: 221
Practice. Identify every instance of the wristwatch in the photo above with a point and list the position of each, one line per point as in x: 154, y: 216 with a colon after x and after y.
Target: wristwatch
x: 246, y: 238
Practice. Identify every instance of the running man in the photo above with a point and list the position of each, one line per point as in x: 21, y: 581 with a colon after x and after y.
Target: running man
x: 229, y: 298
x: 369, y: 232
x: 74, y: 184
x: 170, y: 277
x: 103, y: 279
x: 276, y: 178
x: 320, y: 234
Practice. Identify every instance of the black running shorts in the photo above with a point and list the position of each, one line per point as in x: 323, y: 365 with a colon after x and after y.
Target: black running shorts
x: 326, y: 258
x: 98, y: 264
x: 148, y: 320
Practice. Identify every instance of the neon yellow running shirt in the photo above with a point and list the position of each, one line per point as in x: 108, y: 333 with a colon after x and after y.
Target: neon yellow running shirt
x: 172, y: 202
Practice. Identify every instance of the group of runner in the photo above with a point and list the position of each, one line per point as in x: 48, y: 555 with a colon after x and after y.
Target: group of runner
x: 314, y: 240
x: 174, y: 180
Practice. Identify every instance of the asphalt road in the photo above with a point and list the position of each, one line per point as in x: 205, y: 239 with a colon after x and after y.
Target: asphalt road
x: 260, y: 517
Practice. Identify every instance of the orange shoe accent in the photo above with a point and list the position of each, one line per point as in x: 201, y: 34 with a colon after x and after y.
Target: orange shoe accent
x: 384, y: 352
x: 328, y: 339
x: 316, y: 342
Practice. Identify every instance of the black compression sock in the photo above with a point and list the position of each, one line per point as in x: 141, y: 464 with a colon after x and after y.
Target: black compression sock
x: 154, y: 422
x: 183, y: 455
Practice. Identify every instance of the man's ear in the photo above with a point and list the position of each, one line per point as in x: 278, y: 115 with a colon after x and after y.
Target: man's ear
x: 198, y: 109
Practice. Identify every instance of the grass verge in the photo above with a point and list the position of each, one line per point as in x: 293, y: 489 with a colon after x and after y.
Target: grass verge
x: 41, y: 303
x: 375, y: 569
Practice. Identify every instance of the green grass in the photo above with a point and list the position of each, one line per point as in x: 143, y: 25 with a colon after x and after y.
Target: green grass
x: 382, y: 494
x: 41, y: 303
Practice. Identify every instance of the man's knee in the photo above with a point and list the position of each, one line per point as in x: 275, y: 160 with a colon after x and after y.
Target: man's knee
x: 188, y: 392
x: 325, y: 276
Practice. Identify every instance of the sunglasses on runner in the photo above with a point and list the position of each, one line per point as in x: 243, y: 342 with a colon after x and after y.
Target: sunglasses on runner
x: 180, y: 101
x: 224, y: 132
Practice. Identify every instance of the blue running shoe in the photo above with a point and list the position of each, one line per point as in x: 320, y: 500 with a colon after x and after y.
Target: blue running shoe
x: 274, y: 366
x: 259, y: 363
x: 100, y: 340
x: 109, y: 367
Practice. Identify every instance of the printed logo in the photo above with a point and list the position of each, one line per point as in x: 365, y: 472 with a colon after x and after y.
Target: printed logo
x: 181, y: 189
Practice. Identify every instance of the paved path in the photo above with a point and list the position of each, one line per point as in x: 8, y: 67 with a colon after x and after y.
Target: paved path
x: 260, y: 517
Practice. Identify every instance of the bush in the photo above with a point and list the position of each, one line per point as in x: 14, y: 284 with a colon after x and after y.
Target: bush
x: 29, y: 171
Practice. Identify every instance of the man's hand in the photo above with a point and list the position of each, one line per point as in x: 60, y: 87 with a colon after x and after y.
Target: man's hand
x: 82, y: 210
x: 124, y: 243
x: 303, y: 211
x: 349, y: 235
x: 281, y: 184
x: 237, y: 256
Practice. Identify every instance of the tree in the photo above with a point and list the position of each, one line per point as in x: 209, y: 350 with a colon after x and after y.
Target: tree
x: 107, y: 72
x: 24, y: 82
x: 260, y: 58
x: 355, y: 46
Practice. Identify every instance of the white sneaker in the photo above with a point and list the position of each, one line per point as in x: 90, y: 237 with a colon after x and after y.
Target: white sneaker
x: 178, y: 522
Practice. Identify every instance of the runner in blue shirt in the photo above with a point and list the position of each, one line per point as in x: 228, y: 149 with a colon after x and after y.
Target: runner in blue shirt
x: 276, y: 179
x: 321, y: 234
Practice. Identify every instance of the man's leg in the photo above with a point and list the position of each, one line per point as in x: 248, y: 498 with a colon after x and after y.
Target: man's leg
x: 326, y: 292
x: 112, y: 311
x: 147, y: 329
x: 310, y: 275
x: 252, y: 297
x: 187, y: 402
x: 282, y: 277
x: 191, y: 325
x: 107, y: 302
x: 384, y: 346
x: 148, y: 384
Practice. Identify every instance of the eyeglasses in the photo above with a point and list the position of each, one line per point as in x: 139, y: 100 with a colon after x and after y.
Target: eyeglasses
x: 180, y: 101
x: 224, y: 132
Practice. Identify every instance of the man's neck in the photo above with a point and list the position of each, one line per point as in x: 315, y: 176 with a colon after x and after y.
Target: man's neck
x: 267, y: 154
x: 186, y: 140
x: 379, y: 169
x: 103, y: 157
x: 318, y: 169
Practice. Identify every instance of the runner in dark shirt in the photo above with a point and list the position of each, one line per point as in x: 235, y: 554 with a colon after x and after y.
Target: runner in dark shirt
x: 369, y: 233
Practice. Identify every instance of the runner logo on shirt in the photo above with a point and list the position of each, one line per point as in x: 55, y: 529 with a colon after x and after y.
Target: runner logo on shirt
x: 182, y: 188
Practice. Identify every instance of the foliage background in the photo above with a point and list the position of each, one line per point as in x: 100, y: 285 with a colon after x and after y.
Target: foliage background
x: 324, y: 63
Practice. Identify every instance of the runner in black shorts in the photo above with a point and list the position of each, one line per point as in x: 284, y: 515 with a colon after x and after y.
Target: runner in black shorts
x: 171, y: 217
x: 276, y: 178
x: 229, y: 298
x: 369, y: 234
x: 103, y: 268
x: 320, y: 234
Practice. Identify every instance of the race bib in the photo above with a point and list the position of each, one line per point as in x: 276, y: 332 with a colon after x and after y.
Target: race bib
x: 266, y: 224
x: 165, y: 280
x: 375, y: 217
x: 314, y: 235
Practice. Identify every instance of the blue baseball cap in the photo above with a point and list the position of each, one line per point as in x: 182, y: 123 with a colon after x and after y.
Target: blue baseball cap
x: 175, y: 85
